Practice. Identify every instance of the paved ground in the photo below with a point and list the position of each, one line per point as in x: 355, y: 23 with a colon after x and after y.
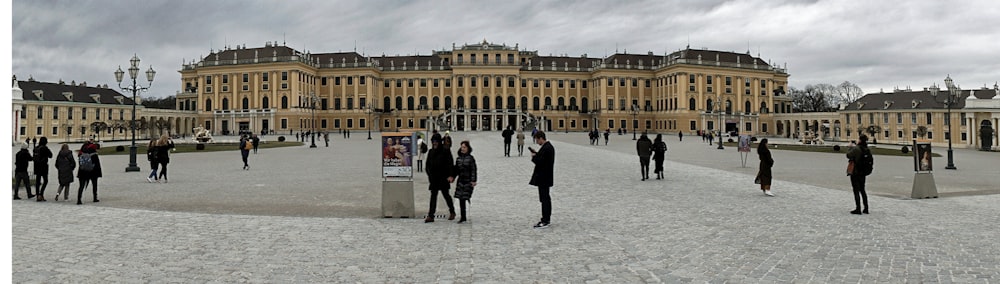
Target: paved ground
x: 311, y: 215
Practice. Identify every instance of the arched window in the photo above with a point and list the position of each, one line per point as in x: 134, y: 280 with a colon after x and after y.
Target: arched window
x: 535, y: 103
x: 562, y: 102
x: 691, y: 104
x: 511, y: 102
x: 584, y: 104
x: 409, y: 103
x: 473, y: 102
x: 548, y: 102
x: 763, y: 107
x: 447, y: 102
x: 246, y: 103
x: 423, y: 102
x: 499, y: 102
x: 572, y: 103
x: 225, y: 103
x: 746, y: 107
x: 284, y: 102
x: 386, y: 103
x: 729, y: 106
x: 709, y: 105
x: 436, y: 103
x: 266, y: 103
x: 460, y: 102
x: 486, y: 102
x: 399, y: 103
x: 208, y: 104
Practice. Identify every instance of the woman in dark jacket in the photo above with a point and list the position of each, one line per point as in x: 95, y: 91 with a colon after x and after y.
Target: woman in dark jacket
x: 440, y: 175
x: 766, y: 162
x: 65, y: 164
x: 163, y: 155
x: 659, y: 151
x: 89, y: 152
x: 465, y: 171
x: 154, y: 161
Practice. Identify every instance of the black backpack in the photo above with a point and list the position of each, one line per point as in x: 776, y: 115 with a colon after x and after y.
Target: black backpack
x: 87, y: 162
x: 423, y: 147
x: 865, y: 163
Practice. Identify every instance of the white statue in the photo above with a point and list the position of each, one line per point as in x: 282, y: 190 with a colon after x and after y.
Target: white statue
x: 201, y: 135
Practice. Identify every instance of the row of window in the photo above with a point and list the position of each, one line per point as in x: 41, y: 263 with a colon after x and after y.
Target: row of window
x: 69, y: 113
x: 928, y: 118
x: 486, y: 58
x: 913, y: 135
x: 69, y: 130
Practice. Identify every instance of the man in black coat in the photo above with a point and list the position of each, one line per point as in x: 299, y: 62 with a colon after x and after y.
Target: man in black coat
x: 544, y: 159
x: 21, y: 171
x: 507, y: 134
x: 440, y: 174
x: 41, y: 162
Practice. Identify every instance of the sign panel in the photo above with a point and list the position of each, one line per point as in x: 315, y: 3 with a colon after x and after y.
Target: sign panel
x: 397, y: 154
x: 922, y: 157
x: 744, y: 143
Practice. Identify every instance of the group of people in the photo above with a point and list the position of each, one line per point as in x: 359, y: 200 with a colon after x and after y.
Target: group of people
x: 656, y: 149
x: 88, y: 170
x: 508, y: 134
x: 158, y: 154
x: 443, y: 169
x: 595, y: 136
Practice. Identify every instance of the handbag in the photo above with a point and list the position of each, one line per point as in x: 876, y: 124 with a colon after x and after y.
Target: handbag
x: 756, y: 180
x: 850, y: 167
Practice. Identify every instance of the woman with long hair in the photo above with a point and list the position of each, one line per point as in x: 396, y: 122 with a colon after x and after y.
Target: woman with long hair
x: 65, y: 164
x: 154, y: 162
x: 466, y: 177
x: 766, y: 162
x: 163, y: 155
x: 659, y: 154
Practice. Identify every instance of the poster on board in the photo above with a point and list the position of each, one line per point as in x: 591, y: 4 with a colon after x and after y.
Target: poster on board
x: 397, y: 158
x: 744, y: 143
x: 922, y: 156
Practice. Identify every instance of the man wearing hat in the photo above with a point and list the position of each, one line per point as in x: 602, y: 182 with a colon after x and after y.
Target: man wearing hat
x: 21, y: 161
x: 439, y: 176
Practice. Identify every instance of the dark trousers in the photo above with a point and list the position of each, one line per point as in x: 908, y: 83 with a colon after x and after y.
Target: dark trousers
x: 163, y: 172
x: 461, y: 206
x: 546, y: 200
x: 153, y: 165
x: 520, y: 149
x: 41, y: 181
x: 255, y: 148
x: 858, y: 184
x: 83, y: 185
x: 246, y: 154
x: 659, y: 165
x: 506, y: 149
x: 434, y: 203
x: 18, y: 178
x: 644, y: 164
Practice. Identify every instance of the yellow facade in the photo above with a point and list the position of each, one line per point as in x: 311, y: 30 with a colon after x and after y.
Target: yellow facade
x: 480, y: 87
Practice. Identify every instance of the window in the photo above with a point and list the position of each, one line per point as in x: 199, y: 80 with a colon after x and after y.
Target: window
x: 621, y: 82
x: 560, y: 84
x: 284, y: 75
x: 284, y: 86
x: 423, y: 83
x: 472, y: 82
x: 38, y: 130
x: 886, y: 134
x: 610, y: 82
x: 336, y: 81
x: 264, y: 86
x: 691, y: 104
x: 510, y: 82
x: 264, y: 77
x: 871, y: 118
x: 899, y: 134
x: 246, y: 78
x: 225, y: 79
x: 461, y: 82
x: 947, y: 119
x: 69, y: 113
x: 885, y: 119
x: 572, y: 84
x: 322, y: 123
x: 524, y: 83
x: 928, y: 118
x: 266, y: 103
x: 435, y: 82
x: 486, y: 81
x: 535, y: 85
x: 611, y: 104
x: 962, y: 116
x: 208, y: 80
x: 246, y: 103
x: 583, y: 84
x: 499, y: 79
x: 38, y: 112
x: 55, y: 113
x: 55, y: 130
x: 899, y: 118
x: 611, y: 123
x: 708, y: 80
x: 225, y: 103
x: 362, y: 103
x: 284, y: 123
x: 447, y: 83
x: 930, y: 135
x: 635, y: 82
x: 647, y: 83
x: 460, y: 60
x: 510, y: 59
x: 385, y: 83
x: 361, y: 80
x: 399, y: 83
x: 693, y: 125
x: 350, y: 123
x: 548, y: 83
x: 350, y: 80
x: 284, y: 102
x: 913, y: 118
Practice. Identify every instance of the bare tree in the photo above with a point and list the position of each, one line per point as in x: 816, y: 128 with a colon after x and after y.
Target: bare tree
x: 849, y: 92
x: 814, y: 98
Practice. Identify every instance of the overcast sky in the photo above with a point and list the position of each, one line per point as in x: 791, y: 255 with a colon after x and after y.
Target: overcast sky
x: 875, y: 44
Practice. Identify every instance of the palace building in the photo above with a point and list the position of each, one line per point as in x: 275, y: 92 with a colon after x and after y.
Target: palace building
x: 481, y: 87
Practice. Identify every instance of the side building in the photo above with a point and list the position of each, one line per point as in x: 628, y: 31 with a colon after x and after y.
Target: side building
x: 481, y: 87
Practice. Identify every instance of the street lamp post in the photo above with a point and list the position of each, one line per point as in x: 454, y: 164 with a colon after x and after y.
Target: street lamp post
x: 721, y: 125
x: 312, y: 105
x: 370, y: 110
x: 635, y: 122
x: 133, y: 72
x: 953, y: 93
x: 566, y: 121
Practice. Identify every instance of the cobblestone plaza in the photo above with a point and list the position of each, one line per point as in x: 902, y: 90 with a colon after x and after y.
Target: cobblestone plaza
x: 312, y: 215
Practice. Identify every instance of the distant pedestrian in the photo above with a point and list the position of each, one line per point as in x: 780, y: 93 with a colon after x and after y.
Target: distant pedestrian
x: 644, y: 148
x: 607, y: 135
x: 348, y: 134
x: 163, y: 156
x: 507, y: 134
x: 542, y: 176
x: 422, y: 150
x: 89, y: 171
x: 659, y: 154
x: 326, y: 138
x: 21, y: 160
x: 34, y: 143
x: 343, y: 132
x: 297, y: 137
x: 65, y: 164
x: 446, y: 140
x: 439, y: 177
x: 863, y: 162
x: 680, y: 136
x: 245, y: 147
x: 764, y: 172
x: 154, y: 162
x: 465, y: 175
x: 520, y: 142
x: 256, y: 142
x: 41, y: 156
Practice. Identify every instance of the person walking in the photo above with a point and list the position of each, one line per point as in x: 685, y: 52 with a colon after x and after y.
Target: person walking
x: 680, y: 136
x: 520, y: 142
x: 764, y: 172
x: 21, y: 160
x: 297, y: 137
x: 644, y: 147
x: 607, y: 135
x: 422, y: 149
x: 542, y: 176
x: 89, y: 171
x: 154, y: 162
x: 860, y: 165
x: 439, y: 177
x: 465, y: 172
x: 41, y: 156
x: 65, y: 164
x: 326, y: 138
x: 163, y: 155
x: 245, y: 146
x: 659, y: 154
x: 256, y: 143
x: 507, y: 134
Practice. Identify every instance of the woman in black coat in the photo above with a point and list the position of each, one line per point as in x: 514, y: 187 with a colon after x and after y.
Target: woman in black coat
x: 88, y: 176
x: 163, y: 155
x: 659, y: 151
x: 440, y: 174
x: 65, y: 164
x: 766, y: 162
x: 465, y: 171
